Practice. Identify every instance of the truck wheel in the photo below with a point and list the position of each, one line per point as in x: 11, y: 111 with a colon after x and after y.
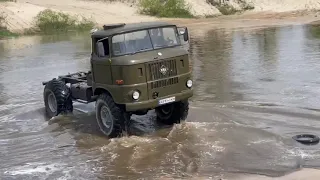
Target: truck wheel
x: 110, y: 117
x: 57, y: 98
x: 173, y: 113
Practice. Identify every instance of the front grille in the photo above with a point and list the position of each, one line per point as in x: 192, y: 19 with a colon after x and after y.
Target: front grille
x: 163, y: 69
x: 165, y: 82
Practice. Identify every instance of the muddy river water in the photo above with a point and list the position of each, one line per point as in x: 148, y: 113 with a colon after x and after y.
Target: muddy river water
x: 254, y: 90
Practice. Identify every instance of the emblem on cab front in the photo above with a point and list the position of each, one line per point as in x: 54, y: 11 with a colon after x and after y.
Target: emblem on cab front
x: 163, y: 70
x: 159, y: 53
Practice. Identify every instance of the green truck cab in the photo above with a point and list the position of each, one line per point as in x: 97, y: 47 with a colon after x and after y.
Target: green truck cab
x: 135, y: 68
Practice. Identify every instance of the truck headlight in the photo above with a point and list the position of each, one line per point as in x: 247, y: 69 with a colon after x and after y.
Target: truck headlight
x: 189, y: 83
x: 135, y: 95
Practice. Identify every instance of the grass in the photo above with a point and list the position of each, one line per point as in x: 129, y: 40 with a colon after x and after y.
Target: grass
x: 227, y: 9
x: 165, y: 8
x: 51, y: 22
x: 245, y: 6
x: 6, y: 33
x: 159, y: 8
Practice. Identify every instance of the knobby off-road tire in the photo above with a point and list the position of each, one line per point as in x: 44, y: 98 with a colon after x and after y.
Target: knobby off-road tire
x: 173, y: 113
x: 57, y: 98
x: 111, y: 118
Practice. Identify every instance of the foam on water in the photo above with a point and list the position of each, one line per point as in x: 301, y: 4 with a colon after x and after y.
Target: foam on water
x: 245, y: 109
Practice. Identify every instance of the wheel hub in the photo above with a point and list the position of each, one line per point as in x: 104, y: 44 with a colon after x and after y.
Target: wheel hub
x: 167, y: 109
x: 106, y: 118
x: 52, y: 102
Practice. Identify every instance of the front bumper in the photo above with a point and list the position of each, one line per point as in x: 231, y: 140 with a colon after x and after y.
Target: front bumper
x: 151, y: 104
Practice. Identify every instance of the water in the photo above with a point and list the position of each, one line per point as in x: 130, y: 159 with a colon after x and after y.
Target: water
x: 254, y: 90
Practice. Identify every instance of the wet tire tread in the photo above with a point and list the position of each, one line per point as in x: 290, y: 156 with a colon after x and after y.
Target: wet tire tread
x: 64, y: 101
x: 180, y: 113
x: 116, y: 112
x: 184, y: 110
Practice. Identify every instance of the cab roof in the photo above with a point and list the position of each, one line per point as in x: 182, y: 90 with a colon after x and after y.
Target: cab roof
x: 122, y: 27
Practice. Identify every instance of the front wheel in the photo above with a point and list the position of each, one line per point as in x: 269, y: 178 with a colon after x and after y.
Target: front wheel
x: 110, y: 117
x: 173, y: 113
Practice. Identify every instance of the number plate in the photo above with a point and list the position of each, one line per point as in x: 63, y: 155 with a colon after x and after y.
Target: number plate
x: 167, y: 100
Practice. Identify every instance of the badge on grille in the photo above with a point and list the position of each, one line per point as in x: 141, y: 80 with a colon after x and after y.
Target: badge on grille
x: 163, y: 70
x: 159, y: 53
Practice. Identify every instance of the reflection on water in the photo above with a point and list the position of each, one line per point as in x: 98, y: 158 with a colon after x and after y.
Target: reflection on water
x: 271, y: 65
x: 313, y: 31
x: 214, y: 55
x: 254, y: 90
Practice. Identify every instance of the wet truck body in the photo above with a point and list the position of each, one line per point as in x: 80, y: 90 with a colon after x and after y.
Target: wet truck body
x: 142, y: 73
x: 134, y: 68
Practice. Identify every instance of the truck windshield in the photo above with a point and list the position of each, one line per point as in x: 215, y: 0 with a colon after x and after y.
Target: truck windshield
x: 144, y: 40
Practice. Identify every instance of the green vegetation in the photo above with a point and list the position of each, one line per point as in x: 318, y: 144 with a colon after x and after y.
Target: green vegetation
x: 52, y: 22
x: 314, y: 30
x: 4, y: 32
x: 227, y: 9
x: 49, y: 22
x: 245, y: 6
x: 167, y: 8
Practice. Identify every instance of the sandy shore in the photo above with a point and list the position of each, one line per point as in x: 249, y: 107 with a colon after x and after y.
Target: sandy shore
x: 303, y: 174
x: 20, y: 15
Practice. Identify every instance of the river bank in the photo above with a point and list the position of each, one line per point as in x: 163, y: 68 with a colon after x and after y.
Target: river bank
x: 307, y: 174
x: 20, y: 15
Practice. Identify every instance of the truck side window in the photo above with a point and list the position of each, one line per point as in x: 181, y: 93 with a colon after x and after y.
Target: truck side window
x: 103, y: 48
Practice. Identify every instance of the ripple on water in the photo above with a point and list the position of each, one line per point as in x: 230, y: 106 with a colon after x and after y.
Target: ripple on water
x: 277, y: 67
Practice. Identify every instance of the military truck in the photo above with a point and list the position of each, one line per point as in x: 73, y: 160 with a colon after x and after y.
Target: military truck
x: 135, y: 68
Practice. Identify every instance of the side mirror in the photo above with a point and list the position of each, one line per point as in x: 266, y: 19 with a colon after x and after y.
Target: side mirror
x: 186, y: 35
x: 100, y: 49
x: 183, y: 31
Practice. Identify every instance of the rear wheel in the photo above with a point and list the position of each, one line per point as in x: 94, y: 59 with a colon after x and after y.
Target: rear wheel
x: 110, y: 117
x: 57, y: 98
x: 173, y: 113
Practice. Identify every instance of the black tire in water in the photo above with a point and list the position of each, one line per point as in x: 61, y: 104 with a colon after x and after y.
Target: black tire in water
x: 173, y: 113
x: 110, y: 117
x: 57, y: 98
x: 309, y: 139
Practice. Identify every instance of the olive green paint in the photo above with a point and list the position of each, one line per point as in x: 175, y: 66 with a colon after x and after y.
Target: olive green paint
x: 134, y: 70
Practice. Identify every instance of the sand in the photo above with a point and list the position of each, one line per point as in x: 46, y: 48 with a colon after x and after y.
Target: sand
x: 285, y: 5
x: 20, y: 15
x: 303, y: 174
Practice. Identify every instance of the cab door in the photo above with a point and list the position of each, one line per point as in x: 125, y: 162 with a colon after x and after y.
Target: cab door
x: 101, y: 62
